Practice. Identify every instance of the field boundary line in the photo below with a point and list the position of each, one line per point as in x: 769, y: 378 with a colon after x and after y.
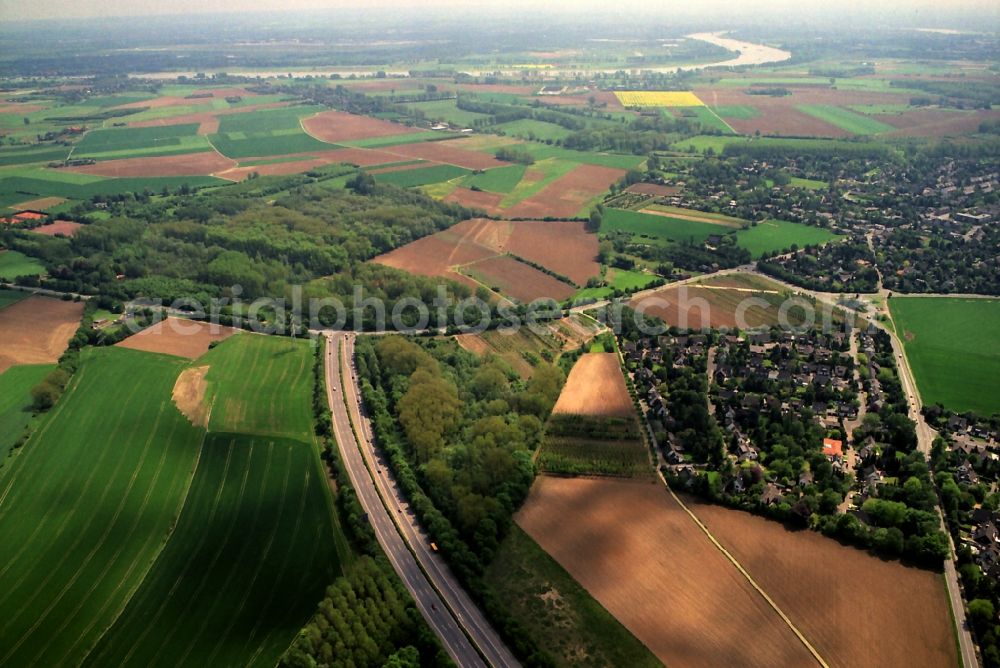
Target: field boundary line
x: 749, y: 578
x: 248, y: 586
x: 204, y: 537
x: 135, y: 563
x: 721, y: 119
x: 358, y: 433
x: 81, y: 567
x: 14, y: 468
x: 155, y: 557
x: 274, y: 587
x: 240, y: 500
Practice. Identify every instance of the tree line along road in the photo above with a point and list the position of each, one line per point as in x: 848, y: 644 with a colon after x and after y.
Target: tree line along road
x: 463, y: 629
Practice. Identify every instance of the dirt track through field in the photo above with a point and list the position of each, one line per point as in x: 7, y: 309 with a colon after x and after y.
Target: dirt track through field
x: 636, y: 551
x: 856, y: 610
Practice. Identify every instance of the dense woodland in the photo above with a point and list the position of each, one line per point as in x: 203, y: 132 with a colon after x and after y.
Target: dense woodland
x: 200, y: 247
x: 459, y: 432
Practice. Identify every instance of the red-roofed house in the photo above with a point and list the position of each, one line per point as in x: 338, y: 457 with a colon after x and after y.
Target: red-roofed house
x: 833, y: 447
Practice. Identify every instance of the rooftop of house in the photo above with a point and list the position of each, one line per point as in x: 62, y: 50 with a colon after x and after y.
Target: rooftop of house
x: 833, y: 447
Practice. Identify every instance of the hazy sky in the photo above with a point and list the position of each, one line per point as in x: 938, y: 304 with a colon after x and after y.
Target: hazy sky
x: 912, y: 11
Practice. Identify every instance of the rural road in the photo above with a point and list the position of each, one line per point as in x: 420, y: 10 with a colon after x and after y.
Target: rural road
x: 448, y: 609
x: 925, y: 438
x: 44, y: 292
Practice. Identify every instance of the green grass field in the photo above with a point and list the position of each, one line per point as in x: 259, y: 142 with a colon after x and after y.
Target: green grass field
x: 408, y: 178
x: 138, y: 539
x: 260, y: 385
x: 8, y: 297
x: 267, y: 132
x: 720, y: 218
x: 662, y: 228
x: 620, y: 279
x: 951, y: 344
x: 543, y: 151
x: 845, y: 119
x: 497, y: 180
x: 808, y: 184
x: 12, y: 156
x: 137, y: 140
x: 701, y: 143
x: 14, y: 264
x: 527, y: 128
x: 556, y: 611
x: 14, y: 189
x: 250, y: 557
x: 718, y: 144
x: 775, y: 235
x: 708, y: 119
x: 15, y: 400
x: 399, y: 140
x: 445, y: 110
x: 87, y: 504
x: 741, y: 112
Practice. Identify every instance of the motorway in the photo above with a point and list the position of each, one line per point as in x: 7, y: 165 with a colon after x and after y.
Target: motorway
x: 463, y: 629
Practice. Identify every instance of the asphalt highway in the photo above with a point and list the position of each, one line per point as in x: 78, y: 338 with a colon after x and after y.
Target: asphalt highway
x: 448, y: 609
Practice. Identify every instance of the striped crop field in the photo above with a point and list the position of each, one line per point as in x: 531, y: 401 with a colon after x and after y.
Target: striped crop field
x: 133, y: 537
x: 658, y: 98
x: 250, y: 557
x: 260, y: 385
x: 87, y: 504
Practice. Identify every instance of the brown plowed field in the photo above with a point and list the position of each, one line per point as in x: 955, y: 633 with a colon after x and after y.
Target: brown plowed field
x: 715, y: 304
x: 855, y: 609
x: 518, y: 280
x: 595, y: 386
x: 40, y: 204
x: 444, y: 151
x: 583, y: 100
x: 176, y: 101
x: 936, y: 122
x: 436, y: 255
x: 778, y: 115
x: 399, y: 168
x: 639, y: 554
x: 273, y: 169
x: 63, y: 227
x: 337, y: 126
x: 564, y: 247
x: 37, y: 330
x: 362, y: 157
x: 187, y: 164
x: 482, y: 200
x: 15, y: 108
x: 564, y: 197
x: 499, y: 88
x: 654, y: 189
x: 177, y: 336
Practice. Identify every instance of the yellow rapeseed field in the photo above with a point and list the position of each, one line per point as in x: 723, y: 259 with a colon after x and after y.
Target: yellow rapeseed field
x: 656, y: 98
